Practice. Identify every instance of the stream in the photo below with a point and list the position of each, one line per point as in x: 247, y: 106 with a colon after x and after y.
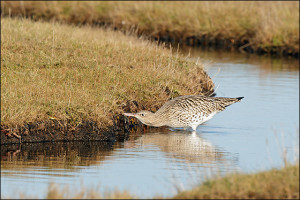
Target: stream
x: 259, y: 133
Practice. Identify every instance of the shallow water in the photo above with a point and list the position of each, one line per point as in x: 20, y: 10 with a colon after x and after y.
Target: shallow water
x: 248, y: 136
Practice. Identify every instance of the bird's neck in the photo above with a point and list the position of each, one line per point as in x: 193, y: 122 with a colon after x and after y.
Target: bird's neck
x: 156, y: 120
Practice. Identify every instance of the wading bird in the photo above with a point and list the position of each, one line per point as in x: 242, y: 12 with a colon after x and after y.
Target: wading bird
x: 185, y: 111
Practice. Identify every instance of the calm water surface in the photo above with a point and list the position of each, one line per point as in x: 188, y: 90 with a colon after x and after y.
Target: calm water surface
x: 248, y: 136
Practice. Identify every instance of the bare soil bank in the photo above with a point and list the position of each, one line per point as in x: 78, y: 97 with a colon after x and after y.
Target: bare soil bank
x: 63, y: 130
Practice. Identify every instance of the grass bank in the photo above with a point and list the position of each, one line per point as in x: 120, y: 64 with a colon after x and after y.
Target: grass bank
x: 262, y: 27
x: 62, y: 78
x: 274, y: 184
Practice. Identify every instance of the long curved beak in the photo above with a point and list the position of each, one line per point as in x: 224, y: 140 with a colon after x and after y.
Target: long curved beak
x: 129, y: 114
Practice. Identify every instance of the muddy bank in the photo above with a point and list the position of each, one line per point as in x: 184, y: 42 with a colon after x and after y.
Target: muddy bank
x: 53, y: 130
x: 61, y: 130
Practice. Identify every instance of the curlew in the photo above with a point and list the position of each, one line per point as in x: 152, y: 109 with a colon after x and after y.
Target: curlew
x: 185, y: 111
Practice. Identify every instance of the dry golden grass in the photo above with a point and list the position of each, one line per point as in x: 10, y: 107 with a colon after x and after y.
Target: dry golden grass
x: 273, y: 184
x: 55, y: 193
x: 58, y: 71
x: 271, y: 26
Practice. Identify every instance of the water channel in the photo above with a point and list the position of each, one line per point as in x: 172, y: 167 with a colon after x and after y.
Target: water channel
x: 259, y: 133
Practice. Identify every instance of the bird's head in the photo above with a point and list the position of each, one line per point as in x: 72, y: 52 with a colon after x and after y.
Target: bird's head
x: 146, y: 117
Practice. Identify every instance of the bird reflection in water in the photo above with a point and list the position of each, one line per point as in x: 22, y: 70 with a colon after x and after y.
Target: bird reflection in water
x: 184, y: 146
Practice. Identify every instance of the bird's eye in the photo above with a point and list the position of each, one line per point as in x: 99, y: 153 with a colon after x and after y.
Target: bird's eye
x: 142, y: 114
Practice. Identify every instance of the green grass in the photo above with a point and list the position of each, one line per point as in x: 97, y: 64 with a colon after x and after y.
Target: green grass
x: 49, y: 70
x: 269, y: 26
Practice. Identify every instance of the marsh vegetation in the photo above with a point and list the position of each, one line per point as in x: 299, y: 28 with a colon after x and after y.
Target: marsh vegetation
x: 262, y: 27
x: 59, y: 72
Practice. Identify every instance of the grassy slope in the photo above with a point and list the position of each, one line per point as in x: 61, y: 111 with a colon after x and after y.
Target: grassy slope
x: 271, y: 26
x: 58, y: 71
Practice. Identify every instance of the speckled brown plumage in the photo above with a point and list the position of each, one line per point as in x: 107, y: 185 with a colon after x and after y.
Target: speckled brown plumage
x: 185, y: 111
